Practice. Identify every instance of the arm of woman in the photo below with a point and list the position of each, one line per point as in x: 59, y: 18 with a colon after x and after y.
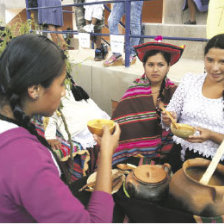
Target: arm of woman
x: 108, y: 143
x: 206, y: 134
x: 50, y: 132
x: 176, y: 103
x: 52, y: 201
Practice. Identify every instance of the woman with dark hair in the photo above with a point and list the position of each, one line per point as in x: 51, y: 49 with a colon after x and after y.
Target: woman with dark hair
x: 198, y: 101
x: 32, y: 75
x: 138, y: 112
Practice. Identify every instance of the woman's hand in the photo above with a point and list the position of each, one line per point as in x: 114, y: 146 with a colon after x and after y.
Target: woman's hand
x: 54, y: 143
x: 204, y: 135
x: 166, y: 120
x: 108, y: 142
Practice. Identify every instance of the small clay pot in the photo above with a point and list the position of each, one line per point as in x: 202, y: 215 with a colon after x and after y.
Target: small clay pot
x: 192, y: 196
x: 149, y: 182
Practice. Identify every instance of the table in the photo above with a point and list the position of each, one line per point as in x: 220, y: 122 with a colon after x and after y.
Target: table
x: 137, y: 210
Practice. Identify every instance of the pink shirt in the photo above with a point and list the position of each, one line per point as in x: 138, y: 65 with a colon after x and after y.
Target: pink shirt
x: 32, y: 191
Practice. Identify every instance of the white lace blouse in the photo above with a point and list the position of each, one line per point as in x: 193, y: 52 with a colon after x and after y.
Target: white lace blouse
x: 195, y: 109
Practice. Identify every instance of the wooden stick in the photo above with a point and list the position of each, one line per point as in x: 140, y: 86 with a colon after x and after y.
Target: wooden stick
x: 170, y: 116
x: 213, y: 164
x: 91, y: 184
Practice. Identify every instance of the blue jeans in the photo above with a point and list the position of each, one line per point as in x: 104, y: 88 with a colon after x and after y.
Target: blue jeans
x: 135, y: 24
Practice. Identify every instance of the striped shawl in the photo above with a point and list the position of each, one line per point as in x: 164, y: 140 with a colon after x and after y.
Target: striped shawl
x: 141, y: 132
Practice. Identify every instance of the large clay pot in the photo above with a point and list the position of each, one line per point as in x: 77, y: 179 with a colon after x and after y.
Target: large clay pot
x: 192, y: 196
x: 149, y: 182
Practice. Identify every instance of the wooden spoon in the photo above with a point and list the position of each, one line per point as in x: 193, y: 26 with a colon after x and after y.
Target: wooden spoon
x: 213, y: 164
x: 170, y: 116
x: 127, y: 166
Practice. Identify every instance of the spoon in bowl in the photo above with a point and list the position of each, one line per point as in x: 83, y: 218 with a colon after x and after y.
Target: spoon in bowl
x: 170, y: 116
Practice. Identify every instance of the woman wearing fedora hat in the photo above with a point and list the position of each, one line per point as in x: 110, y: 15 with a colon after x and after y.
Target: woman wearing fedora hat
x: 138, y: 112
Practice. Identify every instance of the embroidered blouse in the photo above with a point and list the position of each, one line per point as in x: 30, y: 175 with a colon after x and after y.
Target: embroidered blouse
x: 199, y: 111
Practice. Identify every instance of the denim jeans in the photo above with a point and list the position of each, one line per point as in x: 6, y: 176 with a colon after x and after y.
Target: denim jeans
x: 135, y: 23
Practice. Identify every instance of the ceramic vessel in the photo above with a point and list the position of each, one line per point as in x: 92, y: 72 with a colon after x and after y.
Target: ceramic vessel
x: 96, y: 126
x: 183, y: 130
x: 149, y: 182
x: 192, y: 196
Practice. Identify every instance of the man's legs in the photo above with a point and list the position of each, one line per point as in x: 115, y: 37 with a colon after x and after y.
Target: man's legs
x: 135, y: 25
x: 115, y: 17
x: 113, y: 22
x: 79, y: 15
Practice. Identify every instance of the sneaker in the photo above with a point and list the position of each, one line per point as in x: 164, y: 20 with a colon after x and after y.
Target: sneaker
x: 132, y: 60
x: 104, y: 48
x: 101, y: 53
x: 189, y: 22
x: 98, y: 55
x: 113, y: 60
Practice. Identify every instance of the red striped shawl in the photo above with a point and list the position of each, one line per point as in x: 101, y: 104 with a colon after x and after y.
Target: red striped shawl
x: 141, y: 131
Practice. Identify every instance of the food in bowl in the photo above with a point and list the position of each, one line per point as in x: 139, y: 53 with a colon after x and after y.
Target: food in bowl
x: 182, y: 130
x: 96, y: 126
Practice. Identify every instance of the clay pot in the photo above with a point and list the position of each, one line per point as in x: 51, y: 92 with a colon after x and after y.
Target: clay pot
x: 192, y: 196
x: 149, y: 182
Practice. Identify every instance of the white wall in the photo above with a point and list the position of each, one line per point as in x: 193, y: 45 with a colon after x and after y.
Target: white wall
x: 13, y: 4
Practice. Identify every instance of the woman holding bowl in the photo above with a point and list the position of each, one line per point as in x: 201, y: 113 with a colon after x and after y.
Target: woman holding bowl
x: 199, y: 102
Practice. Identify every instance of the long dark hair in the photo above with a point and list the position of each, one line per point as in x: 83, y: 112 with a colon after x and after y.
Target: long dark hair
x: 78, y: 92
x: 167, y: 58
x: 215, y: 42
x: 27, y: 60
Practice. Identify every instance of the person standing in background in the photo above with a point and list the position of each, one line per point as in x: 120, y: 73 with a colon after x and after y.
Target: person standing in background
x: 135, y: 27
x: 53, y: 19
x: 193, y: 5
x: 101, y: 49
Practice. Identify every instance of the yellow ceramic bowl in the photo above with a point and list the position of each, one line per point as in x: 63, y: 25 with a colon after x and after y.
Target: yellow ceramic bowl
x: 183, y: 130
x: 96, y: 126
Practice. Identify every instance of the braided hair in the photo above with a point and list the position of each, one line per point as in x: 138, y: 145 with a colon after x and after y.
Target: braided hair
x: 167, y: 58
x: 78, y: 92
x: 28, y: 60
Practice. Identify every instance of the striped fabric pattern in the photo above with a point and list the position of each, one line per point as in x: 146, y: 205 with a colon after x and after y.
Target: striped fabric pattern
x: 79, y: 160
x: 141, y: 132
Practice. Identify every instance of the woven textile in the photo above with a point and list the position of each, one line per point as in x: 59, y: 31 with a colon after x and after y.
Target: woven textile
x: 141, y: 131
x: 79, y: 169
